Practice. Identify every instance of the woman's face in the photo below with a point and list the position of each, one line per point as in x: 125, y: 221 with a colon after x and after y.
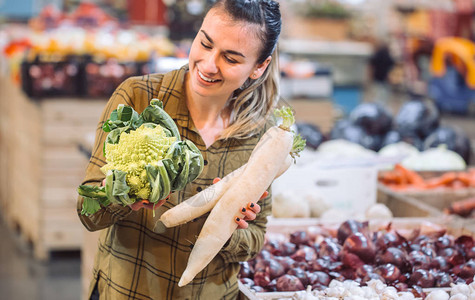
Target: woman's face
x: 223, y: 56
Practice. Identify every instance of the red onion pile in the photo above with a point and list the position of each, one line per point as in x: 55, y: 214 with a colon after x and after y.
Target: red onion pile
x: 411, y: 263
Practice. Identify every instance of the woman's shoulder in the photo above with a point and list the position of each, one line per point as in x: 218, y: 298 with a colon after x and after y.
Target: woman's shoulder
x: 151, y: 84
x: 137, y: 91
x: 144, y: 80
x: 158, y: 78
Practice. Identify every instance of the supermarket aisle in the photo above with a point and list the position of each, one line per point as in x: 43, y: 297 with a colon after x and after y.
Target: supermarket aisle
x: 21, y: 277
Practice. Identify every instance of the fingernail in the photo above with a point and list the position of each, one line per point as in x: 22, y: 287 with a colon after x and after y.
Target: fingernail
x: 252, y: 205
x: 238, y: 219
x: 243, y: 209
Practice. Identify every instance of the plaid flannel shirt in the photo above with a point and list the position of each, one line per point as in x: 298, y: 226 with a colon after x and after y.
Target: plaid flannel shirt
x: 136, y: 260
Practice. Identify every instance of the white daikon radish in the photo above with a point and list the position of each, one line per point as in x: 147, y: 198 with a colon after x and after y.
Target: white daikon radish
x: 263, y: 166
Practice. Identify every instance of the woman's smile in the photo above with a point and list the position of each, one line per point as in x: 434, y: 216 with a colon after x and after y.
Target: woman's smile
x: 207, y: 79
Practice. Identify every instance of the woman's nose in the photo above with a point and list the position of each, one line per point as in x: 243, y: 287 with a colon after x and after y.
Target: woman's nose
x: 210, y: 65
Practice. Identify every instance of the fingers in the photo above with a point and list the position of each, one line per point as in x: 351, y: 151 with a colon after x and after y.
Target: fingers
x: 160, y: 203
x: 137, y: 205
x: 104, y: 182
x: 256, y: 208
x: 242, y: 224
x: 266, y: 193
x: 248, y: 214
x: 216, y: 180
x: 147, y: 205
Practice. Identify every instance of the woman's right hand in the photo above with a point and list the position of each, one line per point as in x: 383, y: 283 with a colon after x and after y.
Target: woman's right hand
x: 147, y: 205
x: 144, y: 203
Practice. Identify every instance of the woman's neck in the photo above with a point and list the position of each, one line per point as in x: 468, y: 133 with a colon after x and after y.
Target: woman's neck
x: 209, y: 115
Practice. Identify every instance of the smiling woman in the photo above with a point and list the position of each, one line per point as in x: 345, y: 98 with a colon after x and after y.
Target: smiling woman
x: 224, y: 60
x: 222, y: 102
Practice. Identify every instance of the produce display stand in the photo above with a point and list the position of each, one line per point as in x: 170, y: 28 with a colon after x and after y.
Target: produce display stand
x: 454, y: 226
x: 42, y: 162
x: 440, y: 198
x: 431, y: 202
x: 402, y: 205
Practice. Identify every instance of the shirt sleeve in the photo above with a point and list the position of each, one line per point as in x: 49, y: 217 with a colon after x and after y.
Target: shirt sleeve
x: 94, y: 176
x: 245, y: 244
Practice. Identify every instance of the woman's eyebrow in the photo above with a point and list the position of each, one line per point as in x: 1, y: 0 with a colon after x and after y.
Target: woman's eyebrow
x: 226, y: 51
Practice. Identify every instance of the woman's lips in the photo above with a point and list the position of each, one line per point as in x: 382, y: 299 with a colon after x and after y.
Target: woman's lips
x: 206, y: 79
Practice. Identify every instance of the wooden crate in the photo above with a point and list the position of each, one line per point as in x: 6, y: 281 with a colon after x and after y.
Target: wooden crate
x: 317, y: 111
x: 404, y: 205
x: 42, y: 163
x: 316, y: 29
x: 438, y: 198
x: 286, y: 226
x: 442, y: 198
x: 425, y: 203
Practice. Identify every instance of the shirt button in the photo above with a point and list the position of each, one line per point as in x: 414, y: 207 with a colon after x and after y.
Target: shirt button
x: 205, y: 162
x: 199, y: 189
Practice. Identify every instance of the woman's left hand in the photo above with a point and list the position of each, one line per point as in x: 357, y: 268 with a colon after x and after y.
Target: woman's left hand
x: 247, y: 213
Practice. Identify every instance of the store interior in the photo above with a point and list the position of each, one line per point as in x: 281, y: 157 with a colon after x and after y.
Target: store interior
x: 380, y: 90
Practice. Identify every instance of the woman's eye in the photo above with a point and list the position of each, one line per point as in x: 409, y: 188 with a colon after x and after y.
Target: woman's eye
x: 230, y: 60
x: 205, y: 45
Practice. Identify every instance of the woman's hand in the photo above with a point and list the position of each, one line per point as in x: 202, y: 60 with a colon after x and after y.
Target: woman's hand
x: 144, y: 203
x: 247, y: 213
x: 147, y: 205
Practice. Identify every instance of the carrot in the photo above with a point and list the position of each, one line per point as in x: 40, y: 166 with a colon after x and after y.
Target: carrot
x: 390, y: 177
x: 204, y: 201
x: 471, y: 173
x: 443, y: 180
x: 462, y: 208
x: 411, y: 176
x: 464, y: 178
x: 263, y: 166
x: 457, y: 184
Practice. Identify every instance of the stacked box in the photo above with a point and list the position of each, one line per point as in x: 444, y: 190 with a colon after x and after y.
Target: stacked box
x: 43, y: 160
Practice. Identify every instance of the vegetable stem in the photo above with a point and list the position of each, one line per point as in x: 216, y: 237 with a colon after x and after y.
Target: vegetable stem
x: 287, y: 117
x: 298, y: 145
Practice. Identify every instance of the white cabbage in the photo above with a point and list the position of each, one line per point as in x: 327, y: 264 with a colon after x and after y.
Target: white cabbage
x: 340, y: 148
x: 435, y: 159
x: 398, y: 149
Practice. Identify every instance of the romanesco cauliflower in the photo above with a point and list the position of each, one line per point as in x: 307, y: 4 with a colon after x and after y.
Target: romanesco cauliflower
x: 136, y: 149
x: 146, y: 159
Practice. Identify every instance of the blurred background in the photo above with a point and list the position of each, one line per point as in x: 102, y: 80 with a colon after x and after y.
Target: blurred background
x: 370, y: 72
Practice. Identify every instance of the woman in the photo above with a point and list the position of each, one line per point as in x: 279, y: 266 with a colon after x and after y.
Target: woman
x: 220, y: 101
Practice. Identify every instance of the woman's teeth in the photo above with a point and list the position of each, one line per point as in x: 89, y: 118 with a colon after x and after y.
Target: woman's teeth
x: 206, y: 78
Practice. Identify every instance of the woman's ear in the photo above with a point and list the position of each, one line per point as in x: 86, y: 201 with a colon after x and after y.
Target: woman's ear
x: 260, y: 68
